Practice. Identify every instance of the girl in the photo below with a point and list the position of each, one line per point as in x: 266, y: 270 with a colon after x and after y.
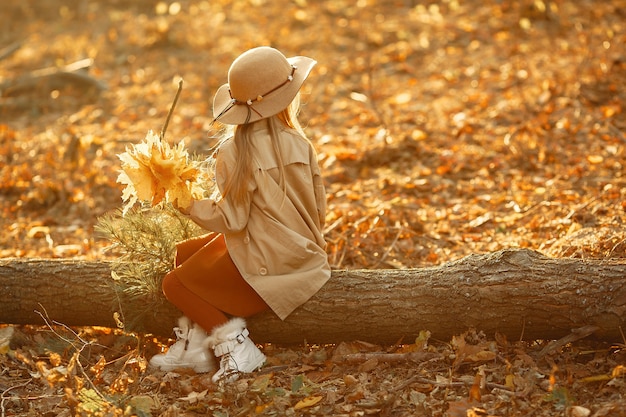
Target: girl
x: 266, y: 248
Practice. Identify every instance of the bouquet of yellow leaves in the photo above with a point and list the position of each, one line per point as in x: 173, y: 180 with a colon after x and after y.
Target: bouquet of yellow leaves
x: 167, y: 179
x: 155, y: 172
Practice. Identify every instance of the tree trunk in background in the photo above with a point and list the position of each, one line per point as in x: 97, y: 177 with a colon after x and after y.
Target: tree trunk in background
x: 518, y: 293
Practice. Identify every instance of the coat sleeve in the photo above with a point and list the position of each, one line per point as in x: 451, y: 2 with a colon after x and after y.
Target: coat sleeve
x: 318, y: 186
x: 222, y: 215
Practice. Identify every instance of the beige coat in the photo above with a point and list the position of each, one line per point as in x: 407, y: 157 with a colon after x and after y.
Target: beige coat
x: 276, y: 242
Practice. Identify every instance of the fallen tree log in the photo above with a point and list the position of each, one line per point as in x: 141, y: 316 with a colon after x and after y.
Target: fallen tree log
x: 518, y: 293
x: 53, y: 78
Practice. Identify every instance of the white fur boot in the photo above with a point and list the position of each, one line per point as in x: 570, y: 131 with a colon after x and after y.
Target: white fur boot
x: 189, y: 350
x: 237, y: 352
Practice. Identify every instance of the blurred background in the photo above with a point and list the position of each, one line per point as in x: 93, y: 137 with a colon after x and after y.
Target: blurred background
x: 444, y: 128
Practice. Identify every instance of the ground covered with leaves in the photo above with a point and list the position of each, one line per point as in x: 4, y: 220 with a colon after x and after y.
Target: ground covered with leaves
x: 444, y: 129
x: 98, y: 372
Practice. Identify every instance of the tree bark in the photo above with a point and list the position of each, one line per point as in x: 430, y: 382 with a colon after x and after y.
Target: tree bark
x: 518, y: 293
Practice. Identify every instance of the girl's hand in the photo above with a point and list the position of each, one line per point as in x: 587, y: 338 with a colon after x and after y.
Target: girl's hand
x: 186, y: 210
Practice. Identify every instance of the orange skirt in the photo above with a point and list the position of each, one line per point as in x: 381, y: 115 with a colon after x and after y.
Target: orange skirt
x: 207, y: 286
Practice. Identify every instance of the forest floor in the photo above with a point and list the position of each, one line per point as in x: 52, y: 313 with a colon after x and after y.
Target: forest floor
x: 444, y: 129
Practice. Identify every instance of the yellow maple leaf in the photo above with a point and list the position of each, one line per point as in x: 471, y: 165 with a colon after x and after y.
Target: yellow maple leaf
x: 153, y: 171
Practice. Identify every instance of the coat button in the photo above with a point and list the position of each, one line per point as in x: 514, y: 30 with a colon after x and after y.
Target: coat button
x: 263, y: 271
x: 246, y: 240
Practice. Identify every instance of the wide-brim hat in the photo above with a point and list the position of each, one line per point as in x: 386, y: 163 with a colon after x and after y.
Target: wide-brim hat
x: 262, y: 82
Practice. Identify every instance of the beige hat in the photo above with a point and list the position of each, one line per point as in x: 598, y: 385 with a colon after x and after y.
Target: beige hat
x: 261, y: 83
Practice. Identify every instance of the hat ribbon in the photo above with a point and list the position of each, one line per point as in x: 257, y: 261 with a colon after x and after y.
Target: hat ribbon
x: 234, y: 102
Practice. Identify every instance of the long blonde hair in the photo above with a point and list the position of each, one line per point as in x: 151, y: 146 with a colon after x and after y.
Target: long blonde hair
x: 236, y: 188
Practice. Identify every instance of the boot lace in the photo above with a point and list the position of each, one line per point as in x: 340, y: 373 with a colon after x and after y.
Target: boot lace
x: 229, y: 367
x: 182, y: 337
